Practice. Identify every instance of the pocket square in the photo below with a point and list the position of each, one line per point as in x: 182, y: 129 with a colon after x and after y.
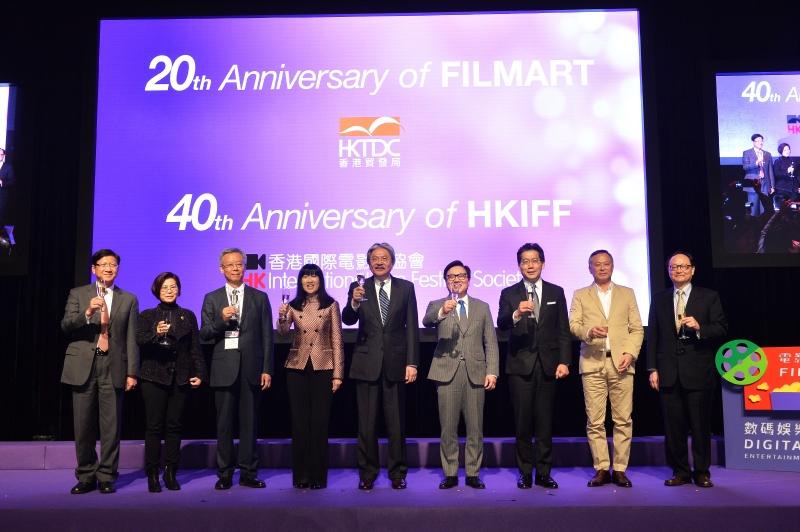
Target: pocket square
x: 550, y: 303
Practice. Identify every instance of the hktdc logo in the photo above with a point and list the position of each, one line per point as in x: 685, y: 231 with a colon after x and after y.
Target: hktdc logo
x: 369, y: 142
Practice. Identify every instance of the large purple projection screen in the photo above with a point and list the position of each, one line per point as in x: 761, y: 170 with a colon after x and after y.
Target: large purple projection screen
x: 308, y: 139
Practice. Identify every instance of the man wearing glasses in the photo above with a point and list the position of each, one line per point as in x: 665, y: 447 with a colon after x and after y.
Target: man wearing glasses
x: 465, y: 364
x: 539, y: 352
x: 237, y: 320
x: 685, y: 325
x: 102, y: 360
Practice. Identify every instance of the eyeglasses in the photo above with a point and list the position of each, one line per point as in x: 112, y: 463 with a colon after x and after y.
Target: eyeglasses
x: 109, y: 265
x: 532, y: 262
x: 234, y: 266
x: 456, y: 276
x: 680, y: 267
x: 172, y: 288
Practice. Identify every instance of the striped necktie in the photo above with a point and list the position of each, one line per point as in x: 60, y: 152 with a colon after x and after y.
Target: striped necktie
x: 383, y: 299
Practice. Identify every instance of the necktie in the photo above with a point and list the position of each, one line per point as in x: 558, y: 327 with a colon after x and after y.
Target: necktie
x: 462, y: 310
x: 681, y: 310
x: 102, y: 342
x: 535, y: 304
x: 383, y: 299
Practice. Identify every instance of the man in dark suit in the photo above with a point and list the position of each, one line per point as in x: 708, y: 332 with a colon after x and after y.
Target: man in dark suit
x: 385, y: 358
x: 237, y: 320
x: 102, y: 359
x: 685, y: 325
x: 759, y: 181
x: 465, y: 364
x: 539, y: 352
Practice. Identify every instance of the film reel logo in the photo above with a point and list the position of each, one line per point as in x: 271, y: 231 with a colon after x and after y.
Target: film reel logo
x: 741, y: 362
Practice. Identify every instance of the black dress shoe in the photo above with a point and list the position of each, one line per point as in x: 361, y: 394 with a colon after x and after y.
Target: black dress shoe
x: 448, y: 482
x: 223, y: 483
x: 365, y: 484
x: 153, y: 484
x: 317, y: 486
x: 83, y: 487
x: 677, y: 480
x: 107, y: 486
x: 301, y: 485
x: 702, y: 480
x: 600, y: 478
x: 475, y: 482
x: 170, y: 480
x: 621, y: 479
x: 398, y: 483
x: 546, y: 481
x: 524, y: 482
x: 252, y: 482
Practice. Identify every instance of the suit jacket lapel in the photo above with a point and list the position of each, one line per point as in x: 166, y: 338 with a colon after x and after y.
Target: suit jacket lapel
x: 464, y: 323
x: 115, y: 304
x: 596, y: 300
x: 669, y: 309
x: 394, y: 301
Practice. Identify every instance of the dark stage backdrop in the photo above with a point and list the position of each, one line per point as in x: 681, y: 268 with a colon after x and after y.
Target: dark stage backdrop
x: 53, y: 59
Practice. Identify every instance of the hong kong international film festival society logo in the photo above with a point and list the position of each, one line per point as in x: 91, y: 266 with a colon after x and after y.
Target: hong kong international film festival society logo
x: 369, y: 142
x: 769, y: 376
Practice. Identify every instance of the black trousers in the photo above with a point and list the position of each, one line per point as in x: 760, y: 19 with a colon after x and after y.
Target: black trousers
x: 237, y: 401
x: 163, y: 408
x: 310, y: 396
x: 687, y: 411
x: 532, y: 398
x: 370, y: 396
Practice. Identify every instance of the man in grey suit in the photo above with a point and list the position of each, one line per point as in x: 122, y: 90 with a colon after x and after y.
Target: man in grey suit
x: 102, y: 359
x: 237, y: 320
x: 465, y: 364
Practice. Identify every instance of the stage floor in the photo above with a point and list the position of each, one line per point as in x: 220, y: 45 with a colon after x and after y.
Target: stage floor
x: 741, y: 500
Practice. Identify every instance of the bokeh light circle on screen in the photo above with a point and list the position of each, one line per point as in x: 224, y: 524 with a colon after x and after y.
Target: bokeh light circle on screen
x: 741, y: 362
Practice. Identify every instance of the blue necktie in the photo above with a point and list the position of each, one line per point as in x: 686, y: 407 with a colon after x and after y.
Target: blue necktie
x: 383, y: 299
x: 462, y: 310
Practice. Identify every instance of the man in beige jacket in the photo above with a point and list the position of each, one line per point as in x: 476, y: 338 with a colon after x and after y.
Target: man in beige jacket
x: 605, y: 317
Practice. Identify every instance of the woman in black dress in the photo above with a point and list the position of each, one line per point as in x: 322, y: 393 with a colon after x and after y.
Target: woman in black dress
x: 171, y: 363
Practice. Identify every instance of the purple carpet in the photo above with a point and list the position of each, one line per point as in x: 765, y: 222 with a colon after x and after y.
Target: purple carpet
x: 35, y: 478
x: 742, y: 500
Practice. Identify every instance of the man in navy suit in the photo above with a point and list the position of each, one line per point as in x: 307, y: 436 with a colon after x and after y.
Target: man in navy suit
x: 685, y: 327
x: 385, y: 359
x: 539, y: 352
x: 237, y: 320
x: 758, y: 175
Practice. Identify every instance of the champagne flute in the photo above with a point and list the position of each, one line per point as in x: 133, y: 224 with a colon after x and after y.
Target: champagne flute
x: 101, y: 289
x: 682, y: 330
x: 166, y: 317
x: 284, y: 301
x: 235, y: 305
x: 530, y: 300
x: 360, y: 279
